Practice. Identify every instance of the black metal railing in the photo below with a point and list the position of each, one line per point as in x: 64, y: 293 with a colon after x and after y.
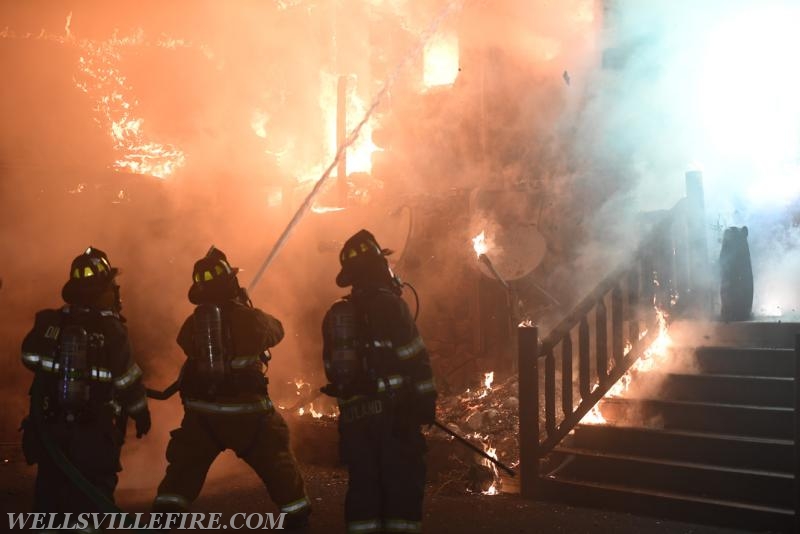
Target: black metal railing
x: 601, y: 338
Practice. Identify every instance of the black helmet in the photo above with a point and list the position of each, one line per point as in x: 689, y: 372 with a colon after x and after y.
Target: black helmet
x: 89, y: 275
x: 360, y: 256
x: 213, y: 278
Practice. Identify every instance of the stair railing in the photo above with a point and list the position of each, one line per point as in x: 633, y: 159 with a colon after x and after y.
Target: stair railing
x: 607, y: 332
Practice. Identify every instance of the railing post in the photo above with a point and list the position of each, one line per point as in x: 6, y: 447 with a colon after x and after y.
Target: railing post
x: 797, y: 433
x: 648, y: 291
x: 584, y: 359
x: 661, y: 267
x: 699, y: 279
x: 528, y: 394
x: 550, y: 393
x: 566, y: 375
x: 633, y: 303
x: 601, y: 340
x: 617, y: 341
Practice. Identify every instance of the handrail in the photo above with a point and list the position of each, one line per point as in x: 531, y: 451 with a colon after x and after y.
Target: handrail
x: 584, y: 306
x: 657, y: 275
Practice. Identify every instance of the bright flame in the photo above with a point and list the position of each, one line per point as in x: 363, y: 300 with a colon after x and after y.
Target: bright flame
x: 491, y: 451
x: 658, y: 350
x: 594, y: 417
x: 115, y: 104
x: 479, y: 243
x: 488, y: 378
x: 299, y: 383
x: 314, y: 413
x: 100, y: 77
x: 653, y: 355
x: 359, y: 154
x: 628, y: 347
x: 440, y: 60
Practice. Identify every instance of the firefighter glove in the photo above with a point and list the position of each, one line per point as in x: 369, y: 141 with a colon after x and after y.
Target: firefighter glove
x: 143, y: 423
x: 425, y: 410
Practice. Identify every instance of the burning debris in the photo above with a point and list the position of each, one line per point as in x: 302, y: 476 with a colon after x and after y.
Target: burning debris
x: 99, y: 75
x: 488, y: 416
x: 308, y: 402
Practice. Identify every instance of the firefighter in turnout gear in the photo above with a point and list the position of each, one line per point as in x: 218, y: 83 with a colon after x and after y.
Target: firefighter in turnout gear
x: 224, y: 393
x: 86, y: 385
x: 379, y: 370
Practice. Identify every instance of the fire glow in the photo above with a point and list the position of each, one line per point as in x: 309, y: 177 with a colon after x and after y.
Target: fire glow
x: 440, y: 61
x: 653, y: 355
x: 493, y: 489
x: 359, y: 154
x: 479, y: 244
x: 488, y: 379
x: 100, y: 77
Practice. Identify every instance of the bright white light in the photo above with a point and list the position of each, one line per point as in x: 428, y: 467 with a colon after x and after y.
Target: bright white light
x: 440, y: 60
x: 750, y: 97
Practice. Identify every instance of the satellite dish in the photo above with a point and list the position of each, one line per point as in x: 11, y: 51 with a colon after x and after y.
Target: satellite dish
x: 515, y: 245
x: 515, y: 252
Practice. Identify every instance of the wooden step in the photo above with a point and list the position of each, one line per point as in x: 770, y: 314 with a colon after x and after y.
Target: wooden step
x: 745, y: 361
x: 714, y: 388
x: 690, y: 446
x: 740, y: 515
x: 753, y: 486
x: 733, y: 419
x: 773, y: 334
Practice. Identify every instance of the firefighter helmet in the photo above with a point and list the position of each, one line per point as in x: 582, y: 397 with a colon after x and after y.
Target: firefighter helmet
x: 359, y: 255
x: 90, y: 274
x: 213, y: 278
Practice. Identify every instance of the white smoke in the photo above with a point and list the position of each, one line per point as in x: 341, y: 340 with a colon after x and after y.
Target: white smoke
x: 712, y: 86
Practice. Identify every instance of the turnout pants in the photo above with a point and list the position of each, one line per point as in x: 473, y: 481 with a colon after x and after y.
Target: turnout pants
x: 260, y: 439
x: 386, y: 464
x: 93, y: 449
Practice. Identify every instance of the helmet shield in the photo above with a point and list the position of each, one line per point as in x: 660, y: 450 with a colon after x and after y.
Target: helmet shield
x: 213, y: 278
x: 361, y: 257
x: 90, y: 274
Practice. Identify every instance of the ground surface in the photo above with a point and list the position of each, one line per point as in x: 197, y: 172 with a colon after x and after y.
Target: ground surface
x: 446, y: 511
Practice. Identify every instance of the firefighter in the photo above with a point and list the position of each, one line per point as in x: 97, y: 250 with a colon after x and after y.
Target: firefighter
x: 379, y: 369
x: 224, y: 393
x: 86, y: 385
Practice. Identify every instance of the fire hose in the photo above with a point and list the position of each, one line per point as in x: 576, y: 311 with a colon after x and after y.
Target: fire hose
x: 475, y: 449
x: 462, y: 440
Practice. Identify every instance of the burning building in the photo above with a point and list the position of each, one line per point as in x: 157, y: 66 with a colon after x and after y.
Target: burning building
x: 493, y: 154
